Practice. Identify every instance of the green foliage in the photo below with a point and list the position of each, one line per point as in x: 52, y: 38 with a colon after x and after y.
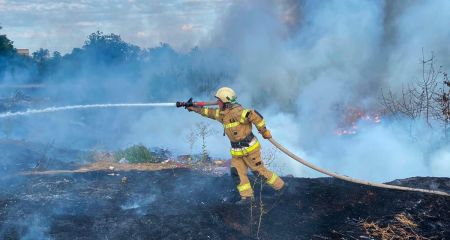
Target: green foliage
x: 104, y: 57
x: 41, y: 55
x: 110, y: 48
x: 137, y: 154
x: 6, y: 45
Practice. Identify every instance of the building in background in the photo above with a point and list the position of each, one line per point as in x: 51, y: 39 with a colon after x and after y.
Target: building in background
x: 23, y: 51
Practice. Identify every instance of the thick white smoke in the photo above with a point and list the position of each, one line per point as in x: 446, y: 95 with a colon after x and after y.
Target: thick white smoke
x: 311, y: 57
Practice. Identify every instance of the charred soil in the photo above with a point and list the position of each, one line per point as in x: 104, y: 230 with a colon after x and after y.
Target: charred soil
x: 185, y: 204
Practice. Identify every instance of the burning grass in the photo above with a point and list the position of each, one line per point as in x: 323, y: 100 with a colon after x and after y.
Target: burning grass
x: 352, y: 117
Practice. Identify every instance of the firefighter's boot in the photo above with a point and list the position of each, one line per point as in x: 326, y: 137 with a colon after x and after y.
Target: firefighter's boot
x: 279, y: 193
x: 245, y: 201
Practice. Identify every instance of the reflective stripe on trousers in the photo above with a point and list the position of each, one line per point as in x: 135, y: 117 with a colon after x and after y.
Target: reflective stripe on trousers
x: 244, y: 187
x: 272, y: 180
x: 244, y: 151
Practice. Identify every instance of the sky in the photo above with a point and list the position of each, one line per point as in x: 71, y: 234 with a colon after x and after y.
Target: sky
x: 63, y: 25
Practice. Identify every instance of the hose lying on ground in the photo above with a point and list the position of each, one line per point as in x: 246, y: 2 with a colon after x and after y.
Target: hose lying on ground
x: 349, y: 179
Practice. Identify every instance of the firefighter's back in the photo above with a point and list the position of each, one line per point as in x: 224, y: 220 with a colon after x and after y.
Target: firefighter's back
x: 235, y: 122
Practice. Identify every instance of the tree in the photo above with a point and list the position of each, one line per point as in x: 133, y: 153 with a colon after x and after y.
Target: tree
x: 423, y: 99
x: 417, y: 99
x: 41, y: 55
x: 42, y: 58
x: 6, y: 45
x: 110, y: 48
x: 57, y: 56
x: 443, y: 100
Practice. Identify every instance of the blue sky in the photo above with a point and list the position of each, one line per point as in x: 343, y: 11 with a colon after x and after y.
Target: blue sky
x: 63, y: 25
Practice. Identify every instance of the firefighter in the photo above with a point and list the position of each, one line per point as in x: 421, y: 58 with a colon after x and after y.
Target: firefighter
x: 245, y: 147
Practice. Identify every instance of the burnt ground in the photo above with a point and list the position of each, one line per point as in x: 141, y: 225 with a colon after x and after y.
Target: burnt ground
x: 185, y: 204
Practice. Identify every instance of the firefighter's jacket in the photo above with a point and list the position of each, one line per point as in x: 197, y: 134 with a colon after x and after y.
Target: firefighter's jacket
x: 237, y: 123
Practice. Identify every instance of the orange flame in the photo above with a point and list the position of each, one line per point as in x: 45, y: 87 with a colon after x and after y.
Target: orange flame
x: 352, y: 116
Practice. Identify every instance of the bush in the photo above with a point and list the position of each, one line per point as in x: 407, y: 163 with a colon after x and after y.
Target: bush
x: 137, y: 154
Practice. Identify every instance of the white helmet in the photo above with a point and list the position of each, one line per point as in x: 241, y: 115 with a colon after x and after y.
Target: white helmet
x: 226, y: 95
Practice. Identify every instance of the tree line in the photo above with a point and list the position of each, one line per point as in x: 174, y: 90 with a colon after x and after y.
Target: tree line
x: 101, y: 54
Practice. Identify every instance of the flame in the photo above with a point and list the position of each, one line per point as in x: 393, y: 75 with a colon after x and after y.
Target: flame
x: 352, y: 116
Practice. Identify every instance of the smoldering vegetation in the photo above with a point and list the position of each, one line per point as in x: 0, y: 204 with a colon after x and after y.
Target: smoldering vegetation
x: 184, y: 204
x: 21, y: 156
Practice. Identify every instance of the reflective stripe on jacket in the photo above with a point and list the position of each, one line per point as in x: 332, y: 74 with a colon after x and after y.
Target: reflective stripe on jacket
x: 237, y: 124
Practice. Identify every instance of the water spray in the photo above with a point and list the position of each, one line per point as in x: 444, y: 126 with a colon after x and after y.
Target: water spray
x: 90, y: 106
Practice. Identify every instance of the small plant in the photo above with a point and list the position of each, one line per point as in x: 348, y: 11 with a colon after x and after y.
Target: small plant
x: 191, y: 138
x: 262, y: 209
x: 203, y: 131
x: 137, y: 154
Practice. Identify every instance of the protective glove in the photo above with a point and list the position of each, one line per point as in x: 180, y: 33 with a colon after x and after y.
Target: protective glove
x: 267, y: 134
x: 189, y: 103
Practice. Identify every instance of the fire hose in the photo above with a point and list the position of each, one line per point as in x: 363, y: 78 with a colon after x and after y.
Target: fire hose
x: 350, y: 179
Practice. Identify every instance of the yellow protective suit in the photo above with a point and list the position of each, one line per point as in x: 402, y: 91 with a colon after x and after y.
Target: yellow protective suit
x: 245, y: 148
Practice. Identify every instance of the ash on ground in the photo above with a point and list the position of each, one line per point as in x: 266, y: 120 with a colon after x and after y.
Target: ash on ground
x: 186, y: 204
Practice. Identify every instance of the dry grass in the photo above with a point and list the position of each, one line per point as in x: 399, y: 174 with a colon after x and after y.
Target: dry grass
x: 105, y: 165
x: 107, y: 161
x: 403, y: 219
x: 402, y: 227
x: 112, y: 166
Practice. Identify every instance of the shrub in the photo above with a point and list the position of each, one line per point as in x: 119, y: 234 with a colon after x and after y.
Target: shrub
x: 137, y: 154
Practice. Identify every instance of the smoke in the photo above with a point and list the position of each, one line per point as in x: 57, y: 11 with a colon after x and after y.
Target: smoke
x: 135, y: 202
x: 159, y: 127
x: 37, y: 228
x: 299, y: 63
x: 421, y: 26
x: 440, y: 162
x: 312, y: 58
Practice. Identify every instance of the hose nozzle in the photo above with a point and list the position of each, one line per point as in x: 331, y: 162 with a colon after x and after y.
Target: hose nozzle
x: 190, y: 103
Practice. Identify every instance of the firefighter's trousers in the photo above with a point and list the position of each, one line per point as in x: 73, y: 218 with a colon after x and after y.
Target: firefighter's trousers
x: 252, y: 160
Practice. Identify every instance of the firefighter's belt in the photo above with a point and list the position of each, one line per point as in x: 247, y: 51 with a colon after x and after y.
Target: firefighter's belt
x: 253, y: 145
x: 244, y: 142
